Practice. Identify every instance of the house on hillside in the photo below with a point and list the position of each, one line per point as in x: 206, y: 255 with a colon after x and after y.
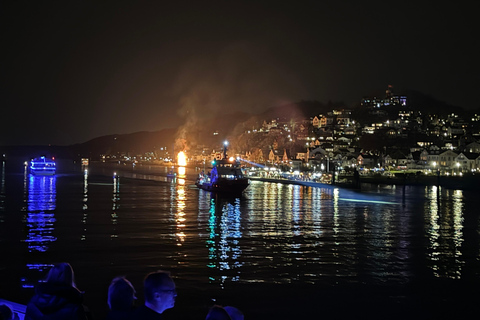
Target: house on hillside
x: 317, y: 153
x: 342, y: 143
x: 467, y: 161
x: 301, y: 155
x: 275, y: 156
x: 396, y: 159
x: 433, y: 157
x: 316, y: 122
x: 366, y: 161
x: 417, y: 160
x: 447, y: 160
x: 285, y: 157
x: 473, y: 147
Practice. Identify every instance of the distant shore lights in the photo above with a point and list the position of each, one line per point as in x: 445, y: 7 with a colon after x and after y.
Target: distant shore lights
x: 181, y: 159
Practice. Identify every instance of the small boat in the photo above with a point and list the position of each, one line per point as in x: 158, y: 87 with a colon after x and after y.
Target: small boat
x: 43, y: 166
x: 226, y: 176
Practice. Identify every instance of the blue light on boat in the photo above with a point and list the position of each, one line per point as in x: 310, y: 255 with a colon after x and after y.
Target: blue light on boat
x: 43, y: 166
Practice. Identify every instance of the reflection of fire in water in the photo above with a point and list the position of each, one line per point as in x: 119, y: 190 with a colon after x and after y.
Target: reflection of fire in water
x: 180, y: 215
x: 181, y: 159
x: 182, y: 171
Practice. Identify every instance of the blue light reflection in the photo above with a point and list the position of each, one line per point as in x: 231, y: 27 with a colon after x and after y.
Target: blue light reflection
x: 41, y: 192
x: 40, y: 212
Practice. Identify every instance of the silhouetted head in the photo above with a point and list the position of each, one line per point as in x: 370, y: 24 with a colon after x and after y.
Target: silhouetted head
x: 61, y: 273
x: 234, y: 313
x: 160, y: 292
x: 217, y: 313
x: 121, y: 294
x: 6, y: 313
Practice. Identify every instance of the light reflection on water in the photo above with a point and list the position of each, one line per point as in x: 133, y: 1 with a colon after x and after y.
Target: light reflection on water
x: 444, y: 229
x: 40, y: 212
x: 40, y: 223
x: 275, y: 234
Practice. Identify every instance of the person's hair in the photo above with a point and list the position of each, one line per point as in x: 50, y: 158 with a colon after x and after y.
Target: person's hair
x: 234, y: 313
x: 61, y: 273
x: 153, y: 281
x: 217, y: 313
x: 121, y: 294
x: 6, y: 313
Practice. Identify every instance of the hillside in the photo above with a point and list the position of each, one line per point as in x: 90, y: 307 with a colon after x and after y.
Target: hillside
x: 209, y: 132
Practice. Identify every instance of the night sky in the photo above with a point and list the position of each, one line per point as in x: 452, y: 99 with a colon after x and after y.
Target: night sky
x: 76, y: 70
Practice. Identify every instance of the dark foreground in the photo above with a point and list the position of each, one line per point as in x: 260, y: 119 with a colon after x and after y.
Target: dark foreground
x: 438, y: 299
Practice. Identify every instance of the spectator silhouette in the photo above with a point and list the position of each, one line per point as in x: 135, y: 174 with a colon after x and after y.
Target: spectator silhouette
x: 6, y: 313
x: 234, y: 313
x: 160, y: 294
x: 217, y: 313
x: 121, y: 298
x: 57, y: 297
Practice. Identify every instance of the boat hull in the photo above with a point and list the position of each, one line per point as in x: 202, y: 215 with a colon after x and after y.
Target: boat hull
x: 42, y: 172
x: 226, y: 186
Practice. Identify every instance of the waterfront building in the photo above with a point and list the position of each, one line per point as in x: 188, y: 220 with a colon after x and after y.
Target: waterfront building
x: 366, y: 161
x: 467, y: 161
x: 447, y: 160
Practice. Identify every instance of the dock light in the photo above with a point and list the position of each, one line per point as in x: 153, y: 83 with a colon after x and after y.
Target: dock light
x: 226, y: 143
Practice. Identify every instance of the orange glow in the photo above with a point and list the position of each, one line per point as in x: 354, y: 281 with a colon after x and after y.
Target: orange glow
x: 181, y: 159
x: 182, y: 171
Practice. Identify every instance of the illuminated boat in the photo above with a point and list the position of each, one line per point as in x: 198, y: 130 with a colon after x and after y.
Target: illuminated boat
x: 226, y: 176
x: 42, y: 166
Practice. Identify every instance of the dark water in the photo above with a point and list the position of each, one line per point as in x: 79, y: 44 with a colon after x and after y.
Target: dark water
x: 279, y: 252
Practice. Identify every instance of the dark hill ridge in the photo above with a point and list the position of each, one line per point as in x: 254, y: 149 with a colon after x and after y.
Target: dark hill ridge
x: 300, y: 110
x: 201, y: 132
x: 195, y: 133
x: 133, y: 143
x: 429, y: 105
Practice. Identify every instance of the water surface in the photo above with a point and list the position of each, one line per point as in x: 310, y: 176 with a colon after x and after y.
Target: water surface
x: 280, y: 251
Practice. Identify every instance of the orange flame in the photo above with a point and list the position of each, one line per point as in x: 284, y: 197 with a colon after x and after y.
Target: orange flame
x: 181, y: 159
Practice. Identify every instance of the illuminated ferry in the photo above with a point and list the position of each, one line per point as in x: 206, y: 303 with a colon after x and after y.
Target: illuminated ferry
x: 42, y: 166
x: 226, y: 176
